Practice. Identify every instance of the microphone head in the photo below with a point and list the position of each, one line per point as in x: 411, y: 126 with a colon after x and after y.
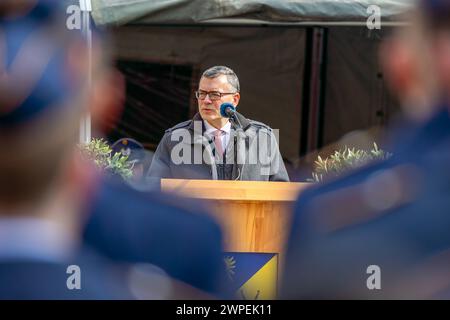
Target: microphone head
x: 227, y: 109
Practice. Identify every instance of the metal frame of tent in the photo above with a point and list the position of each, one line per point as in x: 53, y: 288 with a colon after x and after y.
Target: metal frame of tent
x: 316, y: 41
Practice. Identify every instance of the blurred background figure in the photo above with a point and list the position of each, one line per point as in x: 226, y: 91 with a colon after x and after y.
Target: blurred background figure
x: 137, y: 155
x: 55, y: 208
x: 382, y: 231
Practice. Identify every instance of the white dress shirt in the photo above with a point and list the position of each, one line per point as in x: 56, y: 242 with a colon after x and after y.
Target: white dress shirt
x: 224, y: 138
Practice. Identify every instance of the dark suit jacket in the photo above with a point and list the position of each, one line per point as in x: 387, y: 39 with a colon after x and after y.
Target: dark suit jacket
x: 23, y: 279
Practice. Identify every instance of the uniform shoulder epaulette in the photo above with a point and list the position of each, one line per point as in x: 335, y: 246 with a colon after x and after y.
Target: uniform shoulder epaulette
x: 260, y: 125
x: 183, y: 124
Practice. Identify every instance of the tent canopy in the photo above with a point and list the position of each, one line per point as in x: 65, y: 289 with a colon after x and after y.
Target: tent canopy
x: 119, y: 12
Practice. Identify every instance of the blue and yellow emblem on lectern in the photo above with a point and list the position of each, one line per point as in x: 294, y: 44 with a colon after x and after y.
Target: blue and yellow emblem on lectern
x: 254, y: 276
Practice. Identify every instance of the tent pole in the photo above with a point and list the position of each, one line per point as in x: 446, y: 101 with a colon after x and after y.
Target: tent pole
x: 85, y: 123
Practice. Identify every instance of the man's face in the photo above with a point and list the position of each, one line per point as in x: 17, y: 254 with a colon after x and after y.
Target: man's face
x: 210, y: 109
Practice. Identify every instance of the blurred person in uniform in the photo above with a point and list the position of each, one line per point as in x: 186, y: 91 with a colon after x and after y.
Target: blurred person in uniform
x: 134, y: 223
x: 42, y: 187
x: 54, y: 210
x: 173, y: 233
x: 382, y: 230
x: 135, y: 153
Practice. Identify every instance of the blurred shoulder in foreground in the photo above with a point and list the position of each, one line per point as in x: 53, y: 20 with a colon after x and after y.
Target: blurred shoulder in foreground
x: 382, y: 231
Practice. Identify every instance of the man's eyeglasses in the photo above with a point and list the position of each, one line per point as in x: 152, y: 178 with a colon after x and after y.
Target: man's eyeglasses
x: 213, y: 95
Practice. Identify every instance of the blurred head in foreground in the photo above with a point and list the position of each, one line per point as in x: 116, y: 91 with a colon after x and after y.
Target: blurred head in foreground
x: 416, y: 59
x: 44, y: 93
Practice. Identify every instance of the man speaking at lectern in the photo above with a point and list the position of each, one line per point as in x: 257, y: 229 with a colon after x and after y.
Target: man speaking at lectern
x: 219, y: 143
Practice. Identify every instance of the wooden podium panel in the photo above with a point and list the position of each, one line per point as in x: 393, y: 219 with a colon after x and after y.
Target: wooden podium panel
x: 255, y: 216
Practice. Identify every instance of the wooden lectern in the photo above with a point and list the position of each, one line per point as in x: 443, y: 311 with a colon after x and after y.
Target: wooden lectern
x: 254, y: 215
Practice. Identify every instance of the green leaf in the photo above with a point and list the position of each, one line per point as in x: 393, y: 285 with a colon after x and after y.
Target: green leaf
x: 344, y: 160
x: 100, y: 153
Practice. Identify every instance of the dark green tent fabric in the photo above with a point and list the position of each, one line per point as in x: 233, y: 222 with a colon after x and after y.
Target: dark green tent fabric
x: 118, y: 12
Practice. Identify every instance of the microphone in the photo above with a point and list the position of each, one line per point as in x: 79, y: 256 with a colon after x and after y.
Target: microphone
x: 227, y: 110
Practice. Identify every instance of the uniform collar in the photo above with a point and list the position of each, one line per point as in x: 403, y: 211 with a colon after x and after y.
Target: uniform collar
x: 243, y: 120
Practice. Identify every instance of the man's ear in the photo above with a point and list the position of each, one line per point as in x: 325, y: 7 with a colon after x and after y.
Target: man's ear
x: 236, y: 99
x: 107, y: 100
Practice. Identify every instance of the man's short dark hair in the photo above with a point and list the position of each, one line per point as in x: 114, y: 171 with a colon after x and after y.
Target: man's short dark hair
x: 217, y: 71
